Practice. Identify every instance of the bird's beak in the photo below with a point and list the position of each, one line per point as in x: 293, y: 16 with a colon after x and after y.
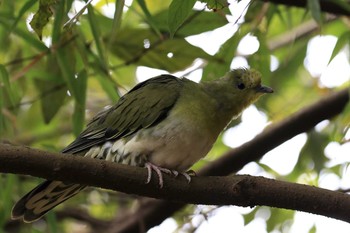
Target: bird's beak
x: 264, y: 89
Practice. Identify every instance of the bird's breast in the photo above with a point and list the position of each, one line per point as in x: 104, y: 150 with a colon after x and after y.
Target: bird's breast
x: 175, y: 143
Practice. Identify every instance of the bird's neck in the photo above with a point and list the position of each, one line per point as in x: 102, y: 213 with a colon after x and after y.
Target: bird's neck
x: 228, y: 102
x: 227, y: 106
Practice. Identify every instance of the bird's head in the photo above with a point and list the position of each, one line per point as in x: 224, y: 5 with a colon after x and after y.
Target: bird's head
x: 247, y: 81
x: 239, y: 88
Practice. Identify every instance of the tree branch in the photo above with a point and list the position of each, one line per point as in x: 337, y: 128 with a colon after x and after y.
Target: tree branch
x: 303, y: 30
x: 334, y: 7
x: 129, y: 179
x: 156, y: 211
x: 241, y: 190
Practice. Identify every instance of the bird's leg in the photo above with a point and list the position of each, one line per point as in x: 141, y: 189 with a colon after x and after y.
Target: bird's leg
x: 187, y: 176
x: 150, y: 166
x: 158, y: 170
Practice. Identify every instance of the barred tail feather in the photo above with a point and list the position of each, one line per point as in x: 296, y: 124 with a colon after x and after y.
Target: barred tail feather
x: 43, y: 198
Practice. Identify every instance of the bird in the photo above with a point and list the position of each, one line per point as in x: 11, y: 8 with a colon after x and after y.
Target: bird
x: 165, y: 124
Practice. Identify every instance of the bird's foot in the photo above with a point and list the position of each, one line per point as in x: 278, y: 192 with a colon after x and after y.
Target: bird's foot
x: 159, y: 170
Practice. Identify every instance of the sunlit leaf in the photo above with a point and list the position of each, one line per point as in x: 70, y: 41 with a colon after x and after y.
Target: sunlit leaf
x: 150, y: 19
x: 179, y: 10
x: 200, y: 21
x: 277, y: 218
x: 250, y: 216
x: 313, y: 229
x: 343, y: 40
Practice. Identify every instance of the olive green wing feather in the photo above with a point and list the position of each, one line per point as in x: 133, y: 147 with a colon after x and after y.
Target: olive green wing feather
x: 145, y: 105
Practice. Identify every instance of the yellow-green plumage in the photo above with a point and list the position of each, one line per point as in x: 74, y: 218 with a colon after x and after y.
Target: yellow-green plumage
x: 163, y: 122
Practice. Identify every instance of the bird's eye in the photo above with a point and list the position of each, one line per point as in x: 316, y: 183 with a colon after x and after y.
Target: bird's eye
x: 241, y: 86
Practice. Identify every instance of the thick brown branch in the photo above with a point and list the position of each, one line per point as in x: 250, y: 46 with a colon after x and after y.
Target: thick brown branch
x: 241, y: 190
x: 326, y: 5
x: 157, y: 210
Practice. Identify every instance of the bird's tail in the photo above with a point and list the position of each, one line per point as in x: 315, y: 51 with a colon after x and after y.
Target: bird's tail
x: 43, y: 198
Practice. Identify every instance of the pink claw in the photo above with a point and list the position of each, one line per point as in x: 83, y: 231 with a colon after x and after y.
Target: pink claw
x: 159, y: 170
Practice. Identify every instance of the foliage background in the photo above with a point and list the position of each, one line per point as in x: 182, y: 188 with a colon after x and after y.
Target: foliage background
x: 55, y: 78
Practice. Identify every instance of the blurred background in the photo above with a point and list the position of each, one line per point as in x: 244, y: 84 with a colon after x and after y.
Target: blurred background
x: 61, y: 62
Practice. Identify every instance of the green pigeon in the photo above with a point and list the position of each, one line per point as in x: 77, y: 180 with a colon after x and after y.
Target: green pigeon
x: 165, y: 124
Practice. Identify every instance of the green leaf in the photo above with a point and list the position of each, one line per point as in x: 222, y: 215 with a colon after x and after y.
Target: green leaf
x: 9, y: 95
x: 216, y: 4
x: 66, y: 61
x: 23, y: 11
x: 24, y: 35
x: 313, y: 229
x: 42, y: 16
x: 142, y: 47
x: 79, y: 106
x: 179, y: 10
x: 58, y: 21
x: 117, y: 19
x: 53, y: 95
x: 150, y: 19
x: 277, y: 218
x: 97, y: 38
x: 109, y: 87
x: 314, y: 151
x: 250, y: 216
x: 6, y: 85
x: 261, y: 59
x: 343, y: 4
x: 341, y: 42
x: 200, y: 21
x: 290, y: 63
x: 225, y: 55
x: 315, y: 8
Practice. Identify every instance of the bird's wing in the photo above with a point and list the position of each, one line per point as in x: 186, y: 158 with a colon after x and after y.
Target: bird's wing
x: 145, y: 105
